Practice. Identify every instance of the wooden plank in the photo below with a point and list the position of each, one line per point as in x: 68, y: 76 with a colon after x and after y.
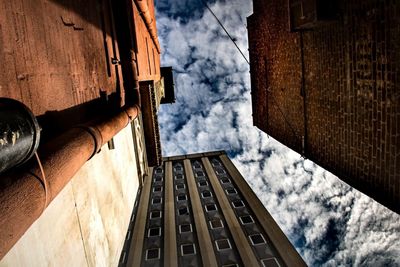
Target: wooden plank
x: 171, y: 254
x: 283, y: 246
x: 206, y: 247
x: 245, y: 251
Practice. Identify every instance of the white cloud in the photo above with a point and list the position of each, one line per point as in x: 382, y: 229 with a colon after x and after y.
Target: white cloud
x: 330, y: 223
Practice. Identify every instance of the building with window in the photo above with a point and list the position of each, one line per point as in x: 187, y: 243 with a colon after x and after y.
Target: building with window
x: 325, y: 82
x: 197, y: 210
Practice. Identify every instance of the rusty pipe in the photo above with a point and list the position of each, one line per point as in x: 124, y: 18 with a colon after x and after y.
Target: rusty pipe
x: 149, y: 21
x: 24, y: 195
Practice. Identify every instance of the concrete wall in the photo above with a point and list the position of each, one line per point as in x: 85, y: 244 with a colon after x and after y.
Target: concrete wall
x: 87, y: 222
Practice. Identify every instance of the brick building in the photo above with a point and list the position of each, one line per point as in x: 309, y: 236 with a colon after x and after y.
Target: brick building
x: 197, y: 210
x: 325, y: 82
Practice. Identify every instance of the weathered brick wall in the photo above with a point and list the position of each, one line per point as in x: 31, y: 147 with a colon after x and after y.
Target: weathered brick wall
x: 352, y: 94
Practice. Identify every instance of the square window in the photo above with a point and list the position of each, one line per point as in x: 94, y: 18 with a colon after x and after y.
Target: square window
x: 215, y: 163
x: 156, y: 200
x: 211, y: 207
x: 180, y: 186
x: 181, y: 197
x: 178, y: 168
x: 257, y: 239
x: 185, y: 228
x: 155, y: 214
x: 238, y: 203
x: 197, y: 165
x: 206, y: 194
x: 158, y: 179
x: 178, y: 176
x: 270, y: 262
x: 199, y: 174
x: 220, y: 171
x: 183, y: 211
x: 159, y: 170
x: 203, y: 183
x: 247, y: 219
x: 157, y: 189
x: 223, y: 244
x: 225, y: 180
x: 231, y: 191
x: 215, y: 224
x: 153, y: 254
x: 188, y: 249
x: 156, y: 231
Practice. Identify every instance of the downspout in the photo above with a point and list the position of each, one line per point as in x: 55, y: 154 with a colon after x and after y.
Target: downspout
x: 149, y: 21
x: 26, y: 193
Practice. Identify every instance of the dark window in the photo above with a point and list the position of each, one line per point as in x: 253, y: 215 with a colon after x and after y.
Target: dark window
x: 188, y: 249
x: 225, y: 180
x: 159, y: 170
x: 180, y: 186
x: 153, y: 254
x: 203, y: 183
x: 223, y: 244
x: 181, y: 197
x: 211, y: 207
x: 185, y: 228
x: 155, y: 214
x: 216, y: 224
x: 231, y: 191
x: 199, y: 173
x: 157, y: 189
x: 257, y: 239
x: 270, y: 262
x: 178, y: 176
x: 196, y: 165
x: 206, y: 194
x: 156, y: 200
x: 178, y: 168
x: 238, y: 203
x: 215, y: 163
x: 155, y: 231
x: 183, y: 211
x: 246, y: 219
x: 158, y: 179
x: 220, y: 171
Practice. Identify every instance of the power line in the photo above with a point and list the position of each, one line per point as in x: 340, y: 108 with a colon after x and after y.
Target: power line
x: 227, y: 33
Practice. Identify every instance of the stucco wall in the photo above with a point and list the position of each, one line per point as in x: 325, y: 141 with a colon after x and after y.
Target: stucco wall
x: 87, y: 222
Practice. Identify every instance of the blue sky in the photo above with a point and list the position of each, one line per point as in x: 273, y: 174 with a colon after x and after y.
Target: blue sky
x: 330, y: 223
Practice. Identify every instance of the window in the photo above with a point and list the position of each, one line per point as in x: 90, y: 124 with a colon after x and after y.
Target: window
x: 215, y: 224
x: 220, y: 171
x: 215, y: 163
x: 153, y: 254
x: 155, y: 214
x: 178, y: 176
x: 238, y: 203
x: 159, y: 170
x: 188, y: 249
x: 156, y: 231
x: 157, y: 189
x: 206, y: 194
x: 225, y: 180
x: 247, y: 219
x: 257, y: 239
x: 181, y: 197
x: 223, y: 244
x: 185, y: 228
x: 199, y: 173
x: 203, y: 183
x: 197, y: 165
x: 183, y: 211
x: 158, y: 179
x: 231, y: 191
x: 270, y: 262
x: 178, y: 168
x: 156, y: 200
x: 180, y: 186
x: 211, y: 207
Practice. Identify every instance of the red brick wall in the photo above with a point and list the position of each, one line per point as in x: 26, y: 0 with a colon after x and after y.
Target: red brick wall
x: 352, y: 94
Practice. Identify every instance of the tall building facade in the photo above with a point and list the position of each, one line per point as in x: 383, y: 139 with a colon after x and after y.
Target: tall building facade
x: 197, y: 210
x: 325, y: 82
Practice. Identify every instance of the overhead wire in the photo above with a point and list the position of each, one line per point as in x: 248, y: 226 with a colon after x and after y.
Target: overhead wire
x: 226, y: 31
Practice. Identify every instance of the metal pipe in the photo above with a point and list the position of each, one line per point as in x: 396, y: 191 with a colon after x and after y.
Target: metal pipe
x: 149, y: 21
x: 25, y: 194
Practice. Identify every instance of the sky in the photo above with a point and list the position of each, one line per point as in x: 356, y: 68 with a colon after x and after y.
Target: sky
x: 328, y: 222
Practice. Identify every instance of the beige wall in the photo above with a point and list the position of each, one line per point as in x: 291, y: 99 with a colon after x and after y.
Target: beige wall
x: 87, y: 222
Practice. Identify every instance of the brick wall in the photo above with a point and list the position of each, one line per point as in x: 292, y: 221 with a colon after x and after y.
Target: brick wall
x: 351, y: 119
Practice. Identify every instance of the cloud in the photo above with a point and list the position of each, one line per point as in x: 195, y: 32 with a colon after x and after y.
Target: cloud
x: 330, y: 223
